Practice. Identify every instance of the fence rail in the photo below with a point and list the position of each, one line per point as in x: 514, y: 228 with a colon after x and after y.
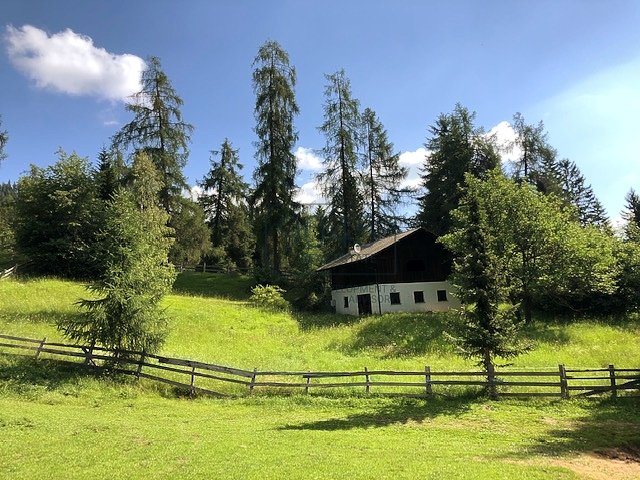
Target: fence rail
x: 182, y: 373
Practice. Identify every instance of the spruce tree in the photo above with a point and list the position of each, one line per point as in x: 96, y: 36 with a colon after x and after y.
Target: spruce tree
x: 274, y: 81
x: 488, y: 326
x: 456, y: 147
x: 382, y: 177
x: 578, y: 193
x: 111, y: 173
x: 224, y: 201
x: 339, y: 179
x: 135, y: 241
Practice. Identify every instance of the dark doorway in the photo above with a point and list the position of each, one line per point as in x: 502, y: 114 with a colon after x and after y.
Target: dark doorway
x: 364, y: 304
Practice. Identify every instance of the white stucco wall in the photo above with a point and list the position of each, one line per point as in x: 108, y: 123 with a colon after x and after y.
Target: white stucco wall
x: 407, y: 303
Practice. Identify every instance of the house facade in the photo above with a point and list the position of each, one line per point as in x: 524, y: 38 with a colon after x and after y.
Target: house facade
x: 405, y: 272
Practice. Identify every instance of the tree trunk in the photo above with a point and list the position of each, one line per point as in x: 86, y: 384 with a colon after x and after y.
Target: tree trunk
x: 489, y: 367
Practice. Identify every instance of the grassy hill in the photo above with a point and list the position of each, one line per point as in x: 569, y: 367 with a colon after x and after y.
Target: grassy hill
x: 62, y: 422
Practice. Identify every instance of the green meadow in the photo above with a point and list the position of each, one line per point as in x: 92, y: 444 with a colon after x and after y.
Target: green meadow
x: 64, y: 421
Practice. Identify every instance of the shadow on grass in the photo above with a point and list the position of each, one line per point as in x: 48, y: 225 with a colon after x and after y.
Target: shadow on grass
x: 48, y: 317
x: 19, y: 372
x: 401, y: 334
x: 611, y: 428
x: 219, y: 285
x: 402, y: 412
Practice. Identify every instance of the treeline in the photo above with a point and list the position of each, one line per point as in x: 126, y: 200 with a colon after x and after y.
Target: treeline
x: 550, y: 232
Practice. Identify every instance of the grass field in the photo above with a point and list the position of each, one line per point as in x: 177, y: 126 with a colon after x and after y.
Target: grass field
x: 63, y: 422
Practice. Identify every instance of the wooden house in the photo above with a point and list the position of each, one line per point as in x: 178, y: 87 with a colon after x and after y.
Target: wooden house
x: 405, y: 272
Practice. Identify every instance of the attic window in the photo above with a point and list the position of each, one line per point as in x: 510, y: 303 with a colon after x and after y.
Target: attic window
x: 418, y: 297
x: 442, y: 295
x: 395, y: 298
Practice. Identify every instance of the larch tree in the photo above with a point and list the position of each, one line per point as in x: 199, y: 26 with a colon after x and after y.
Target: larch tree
x: 274, y: 80
x: 382, y: 177
x: 159, y: 130
x: 456, y: 147
x: 339, y: 180
x: 531, y: 141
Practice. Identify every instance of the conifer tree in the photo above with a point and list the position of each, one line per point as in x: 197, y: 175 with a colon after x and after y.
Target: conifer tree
x: 110, y: 174
x: 4, y: 138
x: 339, y: 179
x: 531, y: 140
x: 382, y: 177
x: 457, y: 147
x: 488, y: 326
x: 578, y: 193
x: 158, y: 129
x: 224, y: 201
x: 135, y: 242
x: 274, y: 81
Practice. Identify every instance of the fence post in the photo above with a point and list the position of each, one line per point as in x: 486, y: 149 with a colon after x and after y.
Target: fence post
x: 612, y: 378
x: 427, y: 381
x: 44, y: 340
x: 89, y: 353
x: 141, y: 361
x: 192, y: 391
x: 564, y: 391
x: 253, y: 381
x: 306, y: 388
x: 204, y: 267
x: 366, y: 380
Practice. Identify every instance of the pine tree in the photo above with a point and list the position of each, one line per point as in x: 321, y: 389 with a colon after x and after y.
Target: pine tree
x: 224, y: 201
x: 158, y: 129
x: 457, y: 147
x: 274, y: 81
x: 339, y: 180
x: 382, y: 177
x: 135, y: 241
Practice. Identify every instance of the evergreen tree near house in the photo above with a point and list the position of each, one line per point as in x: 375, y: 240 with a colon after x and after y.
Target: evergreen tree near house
x: 125, y: 311
x: 274, y: 81
x: 488, y: 326
x: 456, y: 147
x: 382, y: 178
x: 340, y: 180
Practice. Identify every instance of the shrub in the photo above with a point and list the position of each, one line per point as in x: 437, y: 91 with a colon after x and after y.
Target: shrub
x: 268, y: 297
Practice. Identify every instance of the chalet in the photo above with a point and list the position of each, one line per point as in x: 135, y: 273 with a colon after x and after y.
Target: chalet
x: 406, y: 272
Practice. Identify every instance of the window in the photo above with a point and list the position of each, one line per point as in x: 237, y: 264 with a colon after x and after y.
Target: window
x: 395, y: 298
x: 442, y: 295
x: 418, y: 297
x: 346, y: 302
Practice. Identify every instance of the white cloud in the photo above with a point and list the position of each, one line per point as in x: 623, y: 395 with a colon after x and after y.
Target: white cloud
x: 505, y: 137
x: 415, y: 158
x: 69, y: 62
x: 309, y: 193
x: 415, y: 162
x: 307, y: 159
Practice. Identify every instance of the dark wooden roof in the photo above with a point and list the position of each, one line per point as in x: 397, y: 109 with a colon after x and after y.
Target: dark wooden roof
x: 368, y: 250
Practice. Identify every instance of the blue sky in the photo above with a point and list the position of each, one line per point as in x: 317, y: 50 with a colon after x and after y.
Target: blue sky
x: 575, y: 65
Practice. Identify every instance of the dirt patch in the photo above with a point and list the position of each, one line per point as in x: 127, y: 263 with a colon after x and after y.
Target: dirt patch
x: 607, y: 464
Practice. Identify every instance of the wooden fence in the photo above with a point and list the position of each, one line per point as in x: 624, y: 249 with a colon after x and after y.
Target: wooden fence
x: 207, y: 378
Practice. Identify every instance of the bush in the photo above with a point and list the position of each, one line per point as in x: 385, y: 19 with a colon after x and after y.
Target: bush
x: 268, y: 297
